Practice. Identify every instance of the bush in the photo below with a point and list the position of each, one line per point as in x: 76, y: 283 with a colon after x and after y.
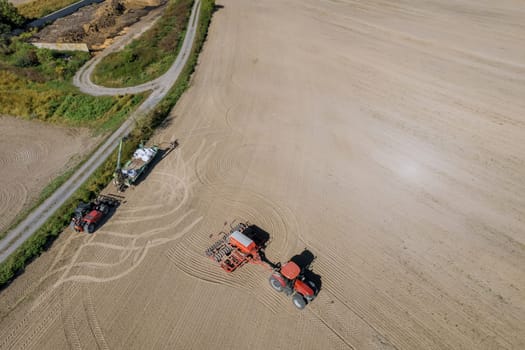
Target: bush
x: 26, y: 58
x: 9, y: 17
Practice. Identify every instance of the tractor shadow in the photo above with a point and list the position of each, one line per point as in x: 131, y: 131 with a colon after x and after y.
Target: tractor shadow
x: 111, y: 212
x: 304, y: 260
x: 217, y: 7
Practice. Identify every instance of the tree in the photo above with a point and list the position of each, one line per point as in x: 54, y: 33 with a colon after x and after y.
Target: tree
x: 9, y: 17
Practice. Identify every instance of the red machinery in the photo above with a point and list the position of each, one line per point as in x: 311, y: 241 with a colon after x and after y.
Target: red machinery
x: 237, y: 248
x: 290, y: 278
x: 89, y: 215
x: 242, y: 245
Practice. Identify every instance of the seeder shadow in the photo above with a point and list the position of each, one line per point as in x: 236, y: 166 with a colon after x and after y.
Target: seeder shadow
x: 261, y: 239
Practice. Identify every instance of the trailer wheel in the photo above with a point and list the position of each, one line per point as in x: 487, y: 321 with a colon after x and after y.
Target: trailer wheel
x: 299, y: 301
x: 276, y: 284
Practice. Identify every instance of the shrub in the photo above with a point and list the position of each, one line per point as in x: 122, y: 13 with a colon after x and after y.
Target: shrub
x: 9, y: 17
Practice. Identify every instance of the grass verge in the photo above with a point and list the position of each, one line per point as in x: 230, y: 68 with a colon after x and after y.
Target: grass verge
x: 40, y: 8
x: 36, y: 84
x: 149, y: 56
x: 42, y: 239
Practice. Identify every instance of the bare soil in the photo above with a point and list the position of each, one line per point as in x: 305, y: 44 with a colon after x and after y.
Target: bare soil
x: 95, y: 24
x: 32, y: 154
x: 385, y: 137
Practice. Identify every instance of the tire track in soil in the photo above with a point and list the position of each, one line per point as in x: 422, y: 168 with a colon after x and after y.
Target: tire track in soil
x: 188, y: 255
x: 174, y: 185
x: 68, y: 320
x: 410, y: 335
x: 347, y: 325
x: 137, y: 259
x: 127, y: 249
x: 52, y: 311
x: 242, y: 281
x: 94, y: 325
x: 30, y: 285
x: 177, y: 183
x: 326, y: 292
x: 336, y: 333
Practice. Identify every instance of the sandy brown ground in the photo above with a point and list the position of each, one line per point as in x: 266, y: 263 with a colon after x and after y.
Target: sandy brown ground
x: 31, y: 155
x: 386, y: 137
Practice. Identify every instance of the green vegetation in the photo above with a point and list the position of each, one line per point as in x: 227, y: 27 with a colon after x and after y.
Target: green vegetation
x: 9, y: 17
x: 40, y: 8
x: 157, y: 116
x: 50, y: 230
x: 151, y: 55
x: 34, y: 83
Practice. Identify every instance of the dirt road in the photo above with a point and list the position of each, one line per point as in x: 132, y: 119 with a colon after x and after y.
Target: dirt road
x: 386, y: 137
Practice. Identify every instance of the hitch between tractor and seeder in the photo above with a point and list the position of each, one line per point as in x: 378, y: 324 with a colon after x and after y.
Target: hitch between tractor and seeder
x: 246, y: 243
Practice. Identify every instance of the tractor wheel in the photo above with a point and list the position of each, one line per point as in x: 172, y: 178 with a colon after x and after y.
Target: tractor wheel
x: 299, y: 301
x: 312, y: 285
x: 89, y: 228
x: 276, y: 284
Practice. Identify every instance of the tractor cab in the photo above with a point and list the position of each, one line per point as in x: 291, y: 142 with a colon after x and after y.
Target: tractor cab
x: 290, y: 279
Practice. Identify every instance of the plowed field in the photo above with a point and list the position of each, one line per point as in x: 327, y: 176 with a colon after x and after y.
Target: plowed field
x: 31, y: 155
x: 385, y: 137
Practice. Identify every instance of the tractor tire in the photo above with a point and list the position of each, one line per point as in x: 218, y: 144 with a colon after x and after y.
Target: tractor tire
x: 312, y: 285
x: 89, y: 228
x: 298, y: 301
x: 276, y: 284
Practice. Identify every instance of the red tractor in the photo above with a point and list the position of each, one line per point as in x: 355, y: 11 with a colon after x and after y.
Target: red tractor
x: 290, y: 279
x: 246, y: 243
x: 89, y: 215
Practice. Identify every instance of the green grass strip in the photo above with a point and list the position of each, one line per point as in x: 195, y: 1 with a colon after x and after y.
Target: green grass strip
x: 40, y: 8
